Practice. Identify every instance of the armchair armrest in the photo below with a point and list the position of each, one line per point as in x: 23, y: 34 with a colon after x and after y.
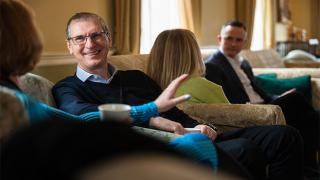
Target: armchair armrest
x: 315, y: 90
x: 12, y: 112
x: 157, y: 134
x: 289, y: 72
x: 301, y: 63
x: 233, y: 116
x: 38, y: 88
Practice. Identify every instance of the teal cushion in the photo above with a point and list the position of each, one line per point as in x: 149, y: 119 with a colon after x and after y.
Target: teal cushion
x: 272, y: 85
x: 267, y: 75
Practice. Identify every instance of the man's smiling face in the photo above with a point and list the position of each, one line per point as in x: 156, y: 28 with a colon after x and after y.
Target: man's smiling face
x: 92, y: 54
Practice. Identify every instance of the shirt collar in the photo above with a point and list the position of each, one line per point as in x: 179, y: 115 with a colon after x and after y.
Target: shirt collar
x: 84, y: 75
x: 236, y: 61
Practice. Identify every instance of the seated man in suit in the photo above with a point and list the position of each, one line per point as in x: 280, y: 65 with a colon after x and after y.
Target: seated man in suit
x: 234, y: 74
x: 96, y: 82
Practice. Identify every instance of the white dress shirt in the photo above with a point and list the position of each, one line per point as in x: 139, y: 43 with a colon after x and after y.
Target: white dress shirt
x: 254, y: 97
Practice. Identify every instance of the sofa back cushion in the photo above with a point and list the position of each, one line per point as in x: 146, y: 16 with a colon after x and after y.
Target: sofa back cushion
x: 12, y: 113
x: 129, y: 62
x: 267, y: 58
x: 38, y: 88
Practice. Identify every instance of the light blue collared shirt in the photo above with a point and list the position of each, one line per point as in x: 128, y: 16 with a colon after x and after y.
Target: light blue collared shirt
x: 141, y: 114
x: 84, y: 75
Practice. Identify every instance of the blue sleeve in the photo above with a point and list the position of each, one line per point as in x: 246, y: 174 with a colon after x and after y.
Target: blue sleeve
x: 39, y: 112
x: 197, y: 146
x: 35, y: 111
x: 142, y: 114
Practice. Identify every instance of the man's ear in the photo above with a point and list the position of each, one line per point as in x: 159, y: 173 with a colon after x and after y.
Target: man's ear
x: 69, y: 47
x: 110, y: 40
x: 219, y: 38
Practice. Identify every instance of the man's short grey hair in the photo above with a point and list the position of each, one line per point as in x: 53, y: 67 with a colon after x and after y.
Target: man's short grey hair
x: 235, y: 23
x: 85, y: 16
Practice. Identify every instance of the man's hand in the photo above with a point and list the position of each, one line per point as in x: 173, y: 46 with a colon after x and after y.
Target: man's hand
x: 204, y: 129
x: 167, y: 125
x: 167, y: 99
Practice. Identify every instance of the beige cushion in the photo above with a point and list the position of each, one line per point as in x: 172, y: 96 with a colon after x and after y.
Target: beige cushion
x: 38, y: 88
x: 267, y: 58
x: 12, y: 113
x: 289, y: 72
x: 233, y: 116
x: 129, y: 62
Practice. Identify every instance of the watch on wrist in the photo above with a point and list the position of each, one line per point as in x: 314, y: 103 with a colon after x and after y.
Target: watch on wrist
x: 211, y: 126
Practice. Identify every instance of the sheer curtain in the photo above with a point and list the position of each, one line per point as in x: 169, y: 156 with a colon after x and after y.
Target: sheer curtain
x: 264, y: 25
x: 156, y: 16
x: 191, y: 15
x: 127, y: 26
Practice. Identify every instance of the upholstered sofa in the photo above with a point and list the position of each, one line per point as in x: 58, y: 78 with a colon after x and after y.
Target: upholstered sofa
x: 226, y: 117
x: 269, y: 61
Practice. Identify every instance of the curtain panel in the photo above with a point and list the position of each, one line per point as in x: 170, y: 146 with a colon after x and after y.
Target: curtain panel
x: 269, y: 20
x: 315, y: 16
x: 127, y: 26
x: 191, y: 15
x: 245, y: 10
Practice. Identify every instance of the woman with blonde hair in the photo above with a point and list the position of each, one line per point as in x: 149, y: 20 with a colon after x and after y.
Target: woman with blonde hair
x: 177, y: 52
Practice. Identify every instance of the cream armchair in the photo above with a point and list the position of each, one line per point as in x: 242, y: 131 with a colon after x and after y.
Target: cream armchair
x: 234, y: 116
x: 226, y: 117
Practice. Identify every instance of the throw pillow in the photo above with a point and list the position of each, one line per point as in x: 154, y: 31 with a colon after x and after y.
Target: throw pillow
x: 267, y: 75
x: 272, y: 85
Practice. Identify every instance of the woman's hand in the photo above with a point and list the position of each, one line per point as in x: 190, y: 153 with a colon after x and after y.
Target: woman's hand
x: 167, y: 99
x: 167, y: 125
x: 204, y: 129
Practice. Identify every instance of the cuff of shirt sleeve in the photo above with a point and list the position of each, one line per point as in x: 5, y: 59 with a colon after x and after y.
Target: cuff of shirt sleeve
x: 142, y: 114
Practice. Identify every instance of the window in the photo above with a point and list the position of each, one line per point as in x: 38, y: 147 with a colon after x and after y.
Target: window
x: 258, y: 27
x: 156, y: 16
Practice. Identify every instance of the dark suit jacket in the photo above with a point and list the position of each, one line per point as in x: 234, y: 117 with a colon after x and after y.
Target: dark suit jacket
x: 129, y: 87
x: 220, y: 71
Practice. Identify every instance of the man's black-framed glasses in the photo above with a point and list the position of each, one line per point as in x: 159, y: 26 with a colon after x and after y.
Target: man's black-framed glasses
x: 81, y: 39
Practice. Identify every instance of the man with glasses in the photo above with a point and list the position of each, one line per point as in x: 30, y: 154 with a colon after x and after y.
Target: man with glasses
x: 97, y: 82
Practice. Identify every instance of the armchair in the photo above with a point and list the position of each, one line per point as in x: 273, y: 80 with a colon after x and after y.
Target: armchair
x: 269, y: 61
x: 225, y: 116
x: 229, y: 117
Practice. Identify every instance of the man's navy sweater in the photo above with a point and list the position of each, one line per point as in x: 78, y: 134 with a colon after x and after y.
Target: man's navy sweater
x: 129, y: 87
